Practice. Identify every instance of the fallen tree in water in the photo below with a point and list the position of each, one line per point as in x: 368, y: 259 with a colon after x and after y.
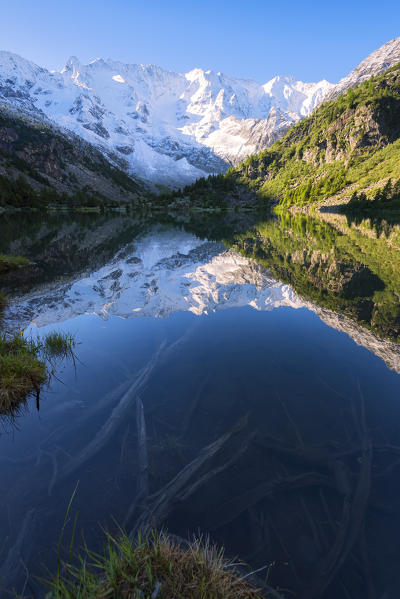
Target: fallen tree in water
x: 302, y: 502
x: 116, y: 417
x: 161, y: 503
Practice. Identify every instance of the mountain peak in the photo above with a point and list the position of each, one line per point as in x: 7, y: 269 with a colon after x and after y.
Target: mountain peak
x: 376, y: 63
x: 72, y: 64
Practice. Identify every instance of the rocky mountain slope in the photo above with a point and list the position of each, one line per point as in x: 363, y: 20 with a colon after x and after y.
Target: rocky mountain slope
x: 347, y: 146
x: 39, y: 164
x: 163, y: 126
x: 376, y: 63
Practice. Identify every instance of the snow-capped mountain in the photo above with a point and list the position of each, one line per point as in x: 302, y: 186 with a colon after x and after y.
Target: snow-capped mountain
x: 162, y: 126
x: 375, y: 64
x: 171, y: 127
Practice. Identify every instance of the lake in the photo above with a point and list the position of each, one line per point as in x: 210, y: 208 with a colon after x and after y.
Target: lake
x: 235, y: 376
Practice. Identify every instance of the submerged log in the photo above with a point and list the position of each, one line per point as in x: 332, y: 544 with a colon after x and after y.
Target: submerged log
x: 352, y: 522
x: 193, y: 408
x: 179, y: 342
x: 14, y: 560
x: 117, y: 416
x: 233, y: 508
x: 142, y: 487
x: 316, y: 456
x: 203, y: 480
x: 161, y: 503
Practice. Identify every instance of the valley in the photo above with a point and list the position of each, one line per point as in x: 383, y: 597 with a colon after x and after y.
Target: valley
x: 199, y: 332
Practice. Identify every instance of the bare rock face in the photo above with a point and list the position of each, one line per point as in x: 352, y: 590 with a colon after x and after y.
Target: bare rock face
x: 353, y: 131
x: 376, y: 63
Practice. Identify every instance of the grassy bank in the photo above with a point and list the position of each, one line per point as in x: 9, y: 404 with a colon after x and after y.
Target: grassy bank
x: 21, y: 372
x: 153, y: 567
x: 26, y: 365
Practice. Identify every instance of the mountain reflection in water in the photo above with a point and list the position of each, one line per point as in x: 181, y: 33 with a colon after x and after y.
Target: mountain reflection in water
x: 212, y: 405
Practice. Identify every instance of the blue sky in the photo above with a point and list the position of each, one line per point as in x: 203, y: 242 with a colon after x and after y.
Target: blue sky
x: 254, y: 39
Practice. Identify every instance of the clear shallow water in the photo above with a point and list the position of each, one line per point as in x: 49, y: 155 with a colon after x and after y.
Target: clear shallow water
x: 201, y: 343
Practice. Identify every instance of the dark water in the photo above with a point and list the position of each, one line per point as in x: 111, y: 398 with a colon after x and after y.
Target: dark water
x: 260, y: 354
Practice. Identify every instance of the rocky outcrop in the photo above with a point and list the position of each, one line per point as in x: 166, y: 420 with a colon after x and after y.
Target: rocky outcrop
x: 354, y: 131
x: 48, y: 159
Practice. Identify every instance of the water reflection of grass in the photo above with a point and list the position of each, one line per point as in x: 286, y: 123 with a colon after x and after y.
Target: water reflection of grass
x: 347, y: 269
x: 59, y: 345
x: 25, y: 366
x: 8, y: 263
x: 150, y: 567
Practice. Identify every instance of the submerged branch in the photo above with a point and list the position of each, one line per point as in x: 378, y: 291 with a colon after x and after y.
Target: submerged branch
x: 117, y: 415
x: 162, y: 502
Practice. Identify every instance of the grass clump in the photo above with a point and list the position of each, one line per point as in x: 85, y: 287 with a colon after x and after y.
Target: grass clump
x: 152, y: 567
x: 21, y: 371
x: 8, y: 263
x: 26, y: 365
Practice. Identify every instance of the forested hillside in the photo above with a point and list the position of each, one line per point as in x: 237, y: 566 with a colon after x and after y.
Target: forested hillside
x: 351, y: 144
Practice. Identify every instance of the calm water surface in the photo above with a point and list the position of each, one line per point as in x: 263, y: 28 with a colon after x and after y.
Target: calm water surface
x: 256, y: 337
